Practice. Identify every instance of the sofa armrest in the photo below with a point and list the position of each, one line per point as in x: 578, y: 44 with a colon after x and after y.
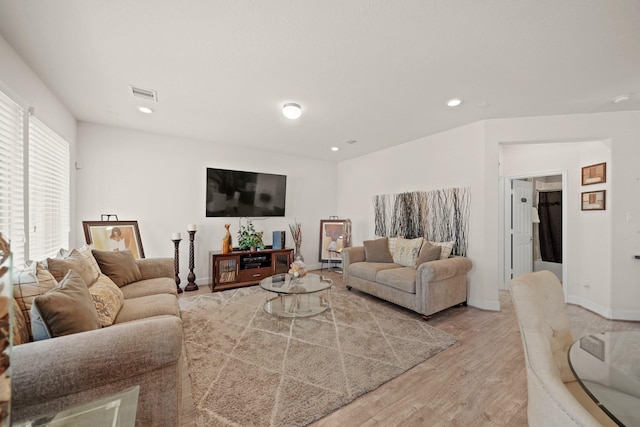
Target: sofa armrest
x: 152, y: 268
x: 442, y: 269
x: 352, y: 254
x: 72, y: 364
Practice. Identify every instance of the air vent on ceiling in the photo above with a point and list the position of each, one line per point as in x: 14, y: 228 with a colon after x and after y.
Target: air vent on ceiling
x: 149, y: 95
x: 350, y: 141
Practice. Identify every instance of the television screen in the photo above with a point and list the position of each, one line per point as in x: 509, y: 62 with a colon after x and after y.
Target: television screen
x: 237, y: 193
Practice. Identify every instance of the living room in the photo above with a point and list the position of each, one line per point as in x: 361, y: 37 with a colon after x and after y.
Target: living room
x: 120, y: 165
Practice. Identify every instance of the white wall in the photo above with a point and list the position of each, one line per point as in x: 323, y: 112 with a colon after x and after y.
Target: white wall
x: 446, y: 160
x: 20, y: 83
x: 622, y: 129
x: 588, y: 260
x: 160, y: 181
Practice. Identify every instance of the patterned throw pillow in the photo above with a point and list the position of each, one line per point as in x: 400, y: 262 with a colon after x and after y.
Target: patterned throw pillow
x: 32, y: 281
x: 445, y: 248
x: 392, y: 244
x: 407, y: 251
x: 20, y: 328
x: 85, y: 252
x: 108, y: 299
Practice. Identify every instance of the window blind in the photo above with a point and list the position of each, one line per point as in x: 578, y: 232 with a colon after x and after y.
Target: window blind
x: 48, y: 191
x: 12, y: 209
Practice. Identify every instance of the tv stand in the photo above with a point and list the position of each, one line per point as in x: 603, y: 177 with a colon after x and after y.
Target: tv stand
x: 244, y: 268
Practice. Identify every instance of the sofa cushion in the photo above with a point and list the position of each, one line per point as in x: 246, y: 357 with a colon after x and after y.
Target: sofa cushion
x: 120, y: 266
x: 428, y: 252
x: 377, y: 250
x: 445, y: 248
x: 75, y: 261
x: 148, y: 306
x: 65, y: 309
x: 29, y: 283
x: 369, y: 270
x: 407, y: 250
x: 141, y: 288
x: 403, y: 278
x: 107, y: 298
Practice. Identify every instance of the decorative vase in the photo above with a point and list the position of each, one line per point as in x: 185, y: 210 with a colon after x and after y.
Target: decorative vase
x: 297, y: 255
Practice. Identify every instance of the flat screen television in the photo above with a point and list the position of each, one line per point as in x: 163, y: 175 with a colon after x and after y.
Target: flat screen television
x: 233, y: 193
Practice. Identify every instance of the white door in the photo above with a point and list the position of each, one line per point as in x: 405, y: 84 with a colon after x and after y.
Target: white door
x: 521, y: 228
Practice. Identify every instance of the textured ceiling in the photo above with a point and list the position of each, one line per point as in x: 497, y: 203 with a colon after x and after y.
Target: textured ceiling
x: 378, y: 72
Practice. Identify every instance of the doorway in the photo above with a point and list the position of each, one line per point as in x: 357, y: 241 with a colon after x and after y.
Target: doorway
x: 518, y: 224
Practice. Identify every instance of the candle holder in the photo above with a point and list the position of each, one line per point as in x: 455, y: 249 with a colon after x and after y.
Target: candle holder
x: 191, y: 278
x: 176, y: 262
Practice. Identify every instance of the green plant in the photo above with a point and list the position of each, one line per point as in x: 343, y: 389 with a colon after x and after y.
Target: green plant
x: 248, y: 237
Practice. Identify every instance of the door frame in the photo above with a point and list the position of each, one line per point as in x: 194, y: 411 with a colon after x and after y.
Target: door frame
x: 504, y: 227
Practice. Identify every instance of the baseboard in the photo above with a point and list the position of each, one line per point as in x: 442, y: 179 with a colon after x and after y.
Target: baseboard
x: 603, y: 311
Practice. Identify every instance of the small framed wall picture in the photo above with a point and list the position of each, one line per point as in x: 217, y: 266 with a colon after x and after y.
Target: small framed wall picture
x: 594, y: 200
x: 594, y: 174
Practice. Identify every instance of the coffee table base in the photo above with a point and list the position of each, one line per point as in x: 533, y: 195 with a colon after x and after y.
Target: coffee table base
x: 297, y: 305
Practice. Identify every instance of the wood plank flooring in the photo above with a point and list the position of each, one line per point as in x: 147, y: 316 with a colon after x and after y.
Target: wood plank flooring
x: 480, y: 381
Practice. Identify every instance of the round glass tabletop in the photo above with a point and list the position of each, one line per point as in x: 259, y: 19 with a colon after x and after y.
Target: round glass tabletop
x: 287, y: 284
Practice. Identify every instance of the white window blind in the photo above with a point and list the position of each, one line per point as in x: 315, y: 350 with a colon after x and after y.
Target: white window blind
x: 12, y: 212
x: 48, y: 191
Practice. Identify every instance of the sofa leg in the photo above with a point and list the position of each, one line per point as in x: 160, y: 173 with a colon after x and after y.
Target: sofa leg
x: 348, y: 287
x: 462, y: 304
x: 426, y: 318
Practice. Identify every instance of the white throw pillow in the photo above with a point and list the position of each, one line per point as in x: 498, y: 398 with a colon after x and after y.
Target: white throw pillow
x: 407, y: 251
x: 445, y: 248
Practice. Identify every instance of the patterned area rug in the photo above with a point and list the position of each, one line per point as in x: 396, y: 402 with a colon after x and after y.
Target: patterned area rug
x: 249, y: 368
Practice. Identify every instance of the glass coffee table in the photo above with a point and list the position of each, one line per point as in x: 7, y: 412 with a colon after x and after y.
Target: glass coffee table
x: 297, y: 296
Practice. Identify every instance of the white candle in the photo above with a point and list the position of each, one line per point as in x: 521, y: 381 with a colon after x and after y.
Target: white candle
x: 191, y: 227
x: 176, y: 236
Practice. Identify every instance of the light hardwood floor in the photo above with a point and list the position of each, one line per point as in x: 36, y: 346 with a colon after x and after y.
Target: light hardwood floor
x: 480, y: 381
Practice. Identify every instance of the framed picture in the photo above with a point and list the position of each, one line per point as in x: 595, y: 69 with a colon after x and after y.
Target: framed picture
x: 114, y: 236
x: 594, y: 200
x: 331, y: 239
x: 594, y: 174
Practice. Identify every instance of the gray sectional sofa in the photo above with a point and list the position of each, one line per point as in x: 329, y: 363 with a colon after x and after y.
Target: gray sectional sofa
x: 142, y: 347
x: 428, y: 286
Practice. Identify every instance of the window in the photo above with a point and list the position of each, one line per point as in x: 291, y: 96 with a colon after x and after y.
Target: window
x: 34, y: 184
x: 12, y: 175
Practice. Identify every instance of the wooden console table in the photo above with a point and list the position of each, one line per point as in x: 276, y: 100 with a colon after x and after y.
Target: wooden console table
x: 245, y: 268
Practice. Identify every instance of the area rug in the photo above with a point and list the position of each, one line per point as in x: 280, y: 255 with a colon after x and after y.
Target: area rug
x: 249, y: 368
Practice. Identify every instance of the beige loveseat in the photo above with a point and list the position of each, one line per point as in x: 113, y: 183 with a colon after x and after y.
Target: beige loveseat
x: 425, y: 285
x: 143, y: 347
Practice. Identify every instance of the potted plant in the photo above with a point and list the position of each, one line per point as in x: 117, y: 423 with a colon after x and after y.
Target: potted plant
x: 249, y: 238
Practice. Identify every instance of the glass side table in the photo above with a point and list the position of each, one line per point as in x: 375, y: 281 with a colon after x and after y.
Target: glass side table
x: 116, y: 410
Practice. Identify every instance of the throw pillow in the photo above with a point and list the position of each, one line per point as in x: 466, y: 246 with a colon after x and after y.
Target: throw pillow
x: 108, y: 299
x: 64, y: 310
x: 120, y: 266
x: 20, y: 328
x: 392, y: 245
x: 377, y: 250
x: 32, y: 281
x: 407, y: 251
x: 445, y: 248
x: 73, y: 261
x: 86, y: 252
x: 428, y: 252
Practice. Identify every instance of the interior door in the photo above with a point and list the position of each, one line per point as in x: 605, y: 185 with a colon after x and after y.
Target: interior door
x: 521, y: 228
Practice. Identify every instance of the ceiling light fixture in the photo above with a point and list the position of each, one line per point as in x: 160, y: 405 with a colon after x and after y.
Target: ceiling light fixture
x: 454, y: 102
x: 291, y: 111
x: 334, y: 148
x: 621, y: 98
x: 144, y: 109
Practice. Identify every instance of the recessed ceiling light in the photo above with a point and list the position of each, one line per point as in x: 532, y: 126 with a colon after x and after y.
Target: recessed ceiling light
x: 454, y: 102
x: 621, y: 98
x: 291, y: 110
x: 144, y: 109
x: 334, y: 148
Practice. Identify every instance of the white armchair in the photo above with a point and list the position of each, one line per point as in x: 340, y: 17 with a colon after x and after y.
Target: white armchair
x: 554, y: 396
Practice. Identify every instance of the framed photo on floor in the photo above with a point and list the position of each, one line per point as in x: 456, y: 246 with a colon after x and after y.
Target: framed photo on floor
x: 331, y: 239
x: 114, y: 236
x: 594, y: 200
